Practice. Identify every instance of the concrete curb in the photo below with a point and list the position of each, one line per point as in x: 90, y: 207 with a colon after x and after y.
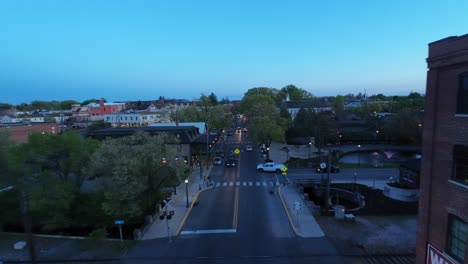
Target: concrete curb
x: 287, y: 211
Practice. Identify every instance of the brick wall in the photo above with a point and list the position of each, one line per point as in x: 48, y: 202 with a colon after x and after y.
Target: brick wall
x: 442, y: 129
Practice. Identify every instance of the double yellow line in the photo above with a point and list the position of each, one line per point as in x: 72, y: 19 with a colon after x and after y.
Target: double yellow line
x: 236, y: 209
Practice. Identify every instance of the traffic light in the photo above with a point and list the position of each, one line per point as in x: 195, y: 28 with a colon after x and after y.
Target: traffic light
x: 164, y: 161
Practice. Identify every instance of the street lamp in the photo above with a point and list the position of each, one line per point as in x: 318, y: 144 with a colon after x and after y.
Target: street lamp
x: 186, y: 191
x: 358, y: 155
x: 310, y: 147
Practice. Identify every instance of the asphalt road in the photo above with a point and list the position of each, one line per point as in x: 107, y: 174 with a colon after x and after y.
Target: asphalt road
x: 237, y: 221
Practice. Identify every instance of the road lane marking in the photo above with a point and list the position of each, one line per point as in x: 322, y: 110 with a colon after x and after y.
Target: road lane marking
x: 272, y: 184
x: 236, y: 209
x: 244, y: 183
x: 237, y: 183
x: 224, y: 184
x: 264, y: 184
x: 257, y: 183
x: 231, y: 184
x: 250, y: 183
x: 218, y: 184
x: 208, y: 231
x: 277, y: 184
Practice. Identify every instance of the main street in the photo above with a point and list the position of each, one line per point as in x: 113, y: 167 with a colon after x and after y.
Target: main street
x: 237, y: 221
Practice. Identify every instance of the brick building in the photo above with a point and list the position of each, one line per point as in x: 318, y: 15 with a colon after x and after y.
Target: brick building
x: 443, y: 207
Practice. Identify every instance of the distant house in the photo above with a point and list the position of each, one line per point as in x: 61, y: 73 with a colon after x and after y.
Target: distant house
x: 191, y: 145
x: 354, y: 103
x: 34, y: 118
x: 6, y: 119
x: 98, y: 109
x: 293, y: 107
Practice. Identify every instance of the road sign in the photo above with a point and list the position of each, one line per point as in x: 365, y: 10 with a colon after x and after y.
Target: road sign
x: 237, y: 151
x: 171, y: 213
x: 323, y: 165
x: 119, y: 222
x: 284, y: 168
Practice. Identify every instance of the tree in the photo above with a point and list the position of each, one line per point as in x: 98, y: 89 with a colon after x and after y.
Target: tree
x: 213, y: 99
x: 405, y: 126
x: 338, y: 105
x: 269, y: 92
x: 5, y: 106
x: 294, y: 93
x: 134, y: 167
x: 66, y: 105
x: 249, y: 102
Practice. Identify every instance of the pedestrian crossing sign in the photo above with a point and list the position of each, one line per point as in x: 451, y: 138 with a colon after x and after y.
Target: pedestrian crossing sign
x: 284, y: 169
x: 237, y: 151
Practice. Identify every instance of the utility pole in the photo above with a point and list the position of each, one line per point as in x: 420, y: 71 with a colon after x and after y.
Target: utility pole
x: 27, y: 227
x: 327, y: 194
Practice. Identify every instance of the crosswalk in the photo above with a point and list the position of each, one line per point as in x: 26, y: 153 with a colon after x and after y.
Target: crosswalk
x: 246, y: 184
x: 237, y: 142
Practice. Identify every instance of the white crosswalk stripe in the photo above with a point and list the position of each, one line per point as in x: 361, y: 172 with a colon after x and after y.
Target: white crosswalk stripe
x: 249, y: 184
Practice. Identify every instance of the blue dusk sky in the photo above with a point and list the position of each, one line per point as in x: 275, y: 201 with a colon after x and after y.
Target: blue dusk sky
x: 140, y: 50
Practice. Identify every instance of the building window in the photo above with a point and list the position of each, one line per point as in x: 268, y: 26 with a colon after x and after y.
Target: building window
x: 456, y: 238
x: 462, y: 104
x: 460, y: 164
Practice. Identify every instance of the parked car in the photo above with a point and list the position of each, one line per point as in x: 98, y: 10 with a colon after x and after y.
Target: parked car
x: 218, y: 160
x: 333, y: 169
x: 248, y: 148
x: 231, y: 162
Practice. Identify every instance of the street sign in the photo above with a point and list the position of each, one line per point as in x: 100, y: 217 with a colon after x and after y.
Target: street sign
x: 284, y: 168
x: 237, y: 151
x: 119, y: 222
x: 323, y: 165
x: 171, y: 213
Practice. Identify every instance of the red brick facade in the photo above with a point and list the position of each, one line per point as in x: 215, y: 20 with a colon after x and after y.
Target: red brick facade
x: 443, y: 128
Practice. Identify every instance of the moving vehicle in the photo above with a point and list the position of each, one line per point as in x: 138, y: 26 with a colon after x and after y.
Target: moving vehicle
x: 248, y: 148
x: 270, y: 167
x: 218, y: 160
x: 231, y: 162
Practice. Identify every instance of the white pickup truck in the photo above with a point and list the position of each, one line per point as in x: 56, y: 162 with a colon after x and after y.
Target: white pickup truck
x: 270, y: 167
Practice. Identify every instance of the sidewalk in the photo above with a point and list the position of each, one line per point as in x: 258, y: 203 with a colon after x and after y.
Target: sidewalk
x: 161, y: 228
x: 299, y: 214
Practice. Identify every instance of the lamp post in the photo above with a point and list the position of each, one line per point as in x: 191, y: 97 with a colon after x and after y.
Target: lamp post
x: 310, y: 147
x: 186, y: 191
x: 358, y: 155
